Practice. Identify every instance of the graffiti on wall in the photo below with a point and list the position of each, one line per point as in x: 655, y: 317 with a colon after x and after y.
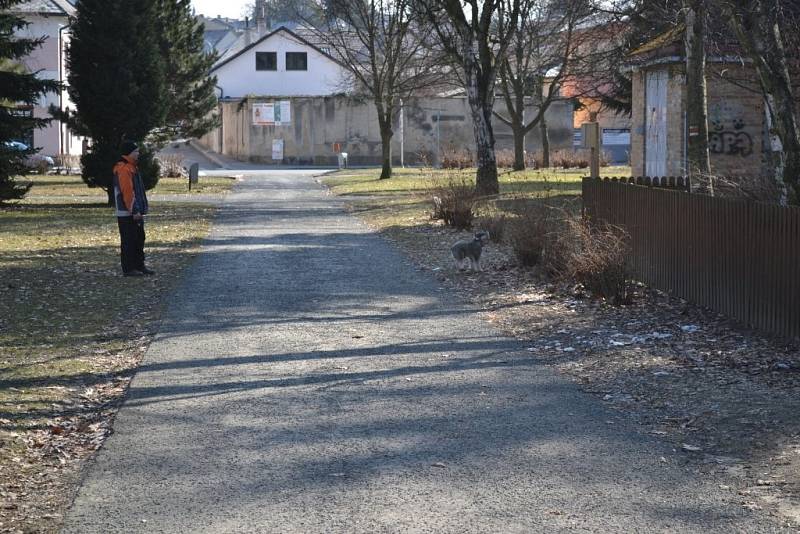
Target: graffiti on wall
x: 727, y: 135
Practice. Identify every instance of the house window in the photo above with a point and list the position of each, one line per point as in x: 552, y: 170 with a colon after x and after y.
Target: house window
x: 296, y: 61
x: 266, y: 61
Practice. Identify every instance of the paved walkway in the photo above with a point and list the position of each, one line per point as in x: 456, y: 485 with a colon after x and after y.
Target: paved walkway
x: 308, y: 379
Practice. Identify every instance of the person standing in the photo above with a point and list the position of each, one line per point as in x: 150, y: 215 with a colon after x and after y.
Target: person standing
x: 131, y: 207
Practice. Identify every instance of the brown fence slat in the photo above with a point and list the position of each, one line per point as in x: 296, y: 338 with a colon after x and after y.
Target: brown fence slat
x: 737, y: 257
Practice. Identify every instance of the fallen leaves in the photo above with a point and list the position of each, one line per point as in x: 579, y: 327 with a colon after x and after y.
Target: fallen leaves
x: 64, y: 364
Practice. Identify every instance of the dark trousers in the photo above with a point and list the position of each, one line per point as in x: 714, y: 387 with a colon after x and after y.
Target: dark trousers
x: 131, y: 238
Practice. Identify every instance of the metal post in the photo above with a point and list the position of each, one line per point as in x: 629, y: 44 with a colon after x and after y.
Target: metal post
x: 438, y: 137
x: 402, y: 136
x: 594, y: 143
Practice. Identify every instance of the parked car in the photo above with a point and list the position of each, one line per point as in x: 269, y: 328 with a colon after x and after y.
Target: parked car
x: 33, y: 161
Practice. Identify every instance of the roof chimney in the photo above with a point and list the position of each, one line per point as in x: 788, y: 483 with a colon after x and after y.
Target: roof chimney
x: 247, y: 39
x: 261, y: 17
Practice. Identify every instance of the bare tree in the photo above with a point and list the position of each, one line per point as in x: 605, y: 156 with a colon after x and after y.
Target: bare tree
x: 475, y: 35
x: 547, y: 48
x: 696, y: 15
x: 382, y: 46
x: 758, y: 28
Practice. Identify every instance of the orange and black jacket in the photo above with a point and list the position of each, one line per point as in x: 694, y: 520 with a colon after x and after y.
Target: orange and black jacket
x: 129, y: 194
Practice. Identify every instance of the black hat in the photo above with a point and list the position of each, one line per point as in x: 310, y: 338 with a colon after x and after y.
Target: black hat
x: 127, y: 147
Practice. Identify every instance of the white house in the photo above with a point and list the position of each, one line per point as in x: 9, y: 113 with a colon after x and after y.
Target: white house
x: 49, y: 19
x: 281, y: 62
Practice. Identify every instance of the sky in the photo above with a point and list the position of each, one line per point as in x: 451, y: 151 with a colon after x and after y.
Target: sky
x: 227, y: 8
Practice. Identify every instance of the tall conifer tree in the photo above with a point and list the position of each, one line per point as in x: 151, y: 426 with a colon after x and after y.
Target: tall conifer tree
x: 116, y: 80
x: 17, y: 87
x: 191, y: 97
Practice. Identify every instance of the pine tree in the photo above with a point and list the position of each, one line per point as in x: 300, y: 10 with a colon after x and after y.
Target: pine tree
x: 117, y: 81
x: 191, y: 97
x: 17, y: 87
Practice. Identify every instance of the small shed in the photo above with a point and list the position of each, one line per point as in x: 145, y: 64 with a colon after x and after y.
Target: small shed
x: 738, y: 139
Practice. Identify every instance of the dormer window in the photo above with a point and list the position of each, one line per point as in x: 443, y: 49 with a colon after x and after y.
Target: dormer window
x: 296, y: 61
x: 266, y: 61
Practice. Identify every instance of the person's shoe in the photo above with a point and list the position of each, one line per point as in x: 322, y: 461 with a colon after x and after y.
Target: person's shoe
x: 133, y: 273
x: 147, y: 271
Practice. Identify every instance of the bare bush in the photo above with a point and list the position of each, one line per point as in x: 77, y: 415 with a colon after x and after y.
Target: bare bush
x: 425, y: 158
x: 504, y: 158
x: 566, y: 158
x: 530, y: 232
x: 570, y: 159
x: 533, y: 160
x: 593, y: 254
x: 457, y: 158
x: 759, y: 189
x: 495, y: 223
x: 171, y: 166
x: 453, y: 199
x: 68, y: 163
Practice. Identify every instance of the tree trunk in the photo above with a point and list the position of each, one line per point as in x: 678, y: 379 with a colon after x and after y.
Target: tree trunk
x: 386, y: 148
x: 696, y: 90
x: 775, y: 153
x: 758, y: 29
x: 545, y: 143
x: 486, y: 182
x: 791, y: 172
x: 519, y: 146
x: 481, y: 102
x: 784, y: 108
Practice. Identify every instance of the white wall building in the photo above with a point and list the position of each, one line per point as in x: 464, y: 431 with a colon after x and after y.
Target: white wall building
x: 49, y: 19
x: 282, y: 63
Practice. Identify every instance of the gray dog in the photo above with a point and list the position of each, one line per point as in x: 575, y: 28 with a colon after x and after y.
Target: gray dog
x: 469, y: 250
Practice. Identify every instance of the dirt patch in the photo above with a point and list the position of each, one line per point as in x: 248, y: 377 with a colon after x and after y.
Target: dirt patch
x: 726, y: 396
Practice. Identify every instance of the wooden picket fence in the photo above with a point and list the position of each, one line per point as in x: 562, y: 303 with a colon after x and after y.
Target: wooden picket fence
x: 737, y: 257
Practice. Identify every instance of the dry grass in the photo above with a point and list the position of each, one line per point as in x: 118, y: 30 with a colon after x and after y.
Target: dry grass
x: 453, y: 197
x: 71, y: 332
x: 409, y: 181
x: 404, y: 200
x: 46, y: 187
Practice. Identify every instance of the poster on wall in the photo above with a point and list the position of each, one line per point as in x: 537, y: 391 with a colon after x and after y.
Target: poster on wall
x: 285, y: 111
x: 277, y: 149
x: 272, y: 113
x: 263, y: 114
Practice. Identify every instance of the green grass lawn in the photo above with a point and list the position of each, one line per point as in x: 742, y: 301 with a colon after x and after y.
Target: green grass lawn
x: 405, y: 199
x: 47, y: 186
x: 365, y: 182
x: 60, y: 284
x: 69, y: 322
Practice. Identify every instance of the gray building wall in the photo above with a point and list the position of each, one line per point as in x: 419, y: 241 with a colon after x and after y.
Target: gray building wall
x: 319, y: 123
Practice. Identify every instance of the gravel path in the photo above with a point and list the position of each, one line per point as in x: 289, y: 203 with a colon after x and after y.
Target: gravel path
x: 307, y: 378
